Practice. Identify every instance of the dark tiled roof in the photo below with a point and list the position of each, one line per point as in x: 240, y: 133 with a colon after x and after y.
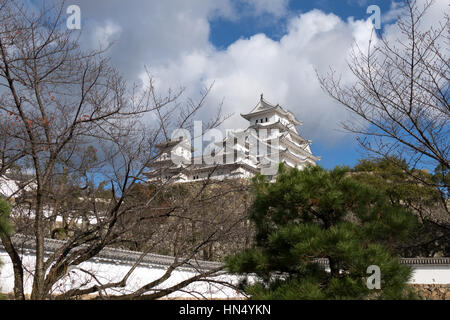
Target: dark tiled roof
x: 114, y: 255
x: 407, y: 261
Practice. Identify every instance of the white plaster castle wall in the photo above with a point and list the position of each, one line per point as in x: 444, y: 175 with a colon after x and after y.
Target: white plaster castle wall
x: 431, y: 275
x: 7, y: 187
x: 284, y: 121
x: 110, y: 271
x: 221, y: 174
x: 107, y: 271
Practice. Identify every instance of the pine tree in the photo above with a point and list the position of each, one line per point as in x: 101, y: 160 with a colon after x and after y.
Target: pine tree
x: 315, y: 213
x: 400, y: 184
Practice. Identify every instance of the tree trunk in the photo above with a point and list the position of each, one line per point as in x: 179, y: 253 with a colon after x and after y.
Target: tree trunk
x: 334, y: 267
x: 17, y: 267
x: 38, y: 280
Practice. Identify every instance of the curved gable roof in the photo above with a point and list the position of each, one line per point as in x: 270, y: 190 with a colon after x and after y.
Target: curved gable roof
x: 263, y: 107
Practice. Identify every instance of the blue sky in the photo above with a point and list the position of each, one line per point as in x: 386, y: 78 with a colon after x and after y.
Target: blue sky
x: 244, y: 47
x: 225, y: 32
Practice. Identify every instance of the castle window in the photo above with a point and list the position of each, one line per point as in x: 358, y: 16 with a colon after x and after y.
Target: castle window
x: 266, y: 119
x: 256, y: 121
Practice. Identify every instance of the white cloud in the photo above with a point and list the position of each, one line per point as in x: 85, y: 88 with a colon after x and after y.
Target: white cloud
x: 284, y: 70
x: 172, y: 38
x: 433, y: 15
x: 151, y: 31
x: 105, y: 34
x: 396, y: 10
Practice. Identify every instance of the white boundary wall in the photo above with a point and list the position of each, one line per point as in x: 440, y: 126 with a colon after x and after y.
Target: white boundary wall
x: 113, y: 271
x: 431, y: 274
x: 109, y: 270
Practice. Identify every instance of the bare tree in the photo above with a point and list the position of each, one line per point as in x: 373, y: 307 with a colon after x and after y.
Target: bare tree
x: 186, y: 214
x: 400, y: 96
x: 67, y: 115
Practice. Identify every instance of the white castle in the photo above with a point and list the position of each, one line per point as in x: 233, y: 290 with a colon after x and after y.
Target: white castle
x: 270, y: 139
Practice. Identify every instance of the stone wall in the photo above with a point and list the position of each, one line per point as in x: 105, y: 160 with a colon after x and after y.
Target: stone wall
x: 433, y: 291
